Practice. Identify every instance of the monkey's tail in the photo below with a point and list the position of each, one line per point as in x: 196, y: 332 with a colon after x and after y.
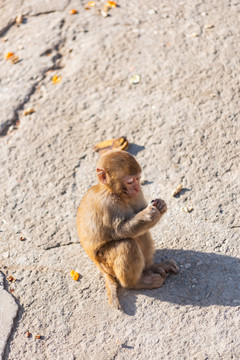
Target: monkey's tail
x: 102, y: 263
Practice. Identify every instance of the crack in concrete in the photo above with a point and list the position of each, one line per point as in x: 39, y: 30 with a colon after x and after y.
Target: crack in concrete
x: 15, y: 118
x: 78, y: 165
x: 60, y: 245
x: 5, y: 29
x: 56, y: 65
x: 12, y: 22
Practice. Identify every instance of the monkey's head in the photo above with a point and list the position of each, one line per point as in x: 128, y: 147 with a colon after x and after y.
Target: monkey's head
x: 120, y: 172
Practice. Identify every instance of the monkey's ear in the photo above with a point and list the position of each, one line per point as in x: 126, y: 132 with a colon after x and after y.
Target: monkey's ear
x: 102, y: 176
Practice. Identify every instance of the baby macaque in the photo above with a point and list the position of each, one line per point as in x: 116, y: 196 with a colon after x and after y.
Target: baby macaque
x: 113, y: 222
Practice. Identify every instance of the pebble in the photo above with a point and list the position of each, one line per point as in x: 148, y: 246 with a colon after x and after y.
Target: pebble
x: 187, y: 266
x: 151, y: 12
x: 135, y: 79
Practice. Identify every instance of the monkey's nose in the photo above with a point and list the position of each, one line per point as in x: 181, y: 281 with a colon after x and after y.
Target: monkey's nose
x: 137, y: 188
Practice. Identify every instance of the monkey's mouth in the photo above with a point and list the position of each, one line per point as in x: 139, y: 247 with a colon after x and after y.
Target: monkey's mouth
x: 132, y: 193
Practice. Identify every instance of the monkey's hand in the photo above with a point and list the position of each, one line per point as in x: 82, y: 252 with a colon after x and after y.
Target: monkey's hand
x: 158, y: 204
x: 142, y: 221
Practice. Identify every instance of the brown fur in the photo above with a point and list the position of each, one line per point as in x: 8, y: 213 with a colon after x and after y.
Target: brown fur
x: 114, y: 229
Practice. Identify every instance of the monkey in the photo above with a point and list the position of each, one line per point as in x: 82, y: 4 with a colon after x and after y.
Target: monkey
x: 113, y: 223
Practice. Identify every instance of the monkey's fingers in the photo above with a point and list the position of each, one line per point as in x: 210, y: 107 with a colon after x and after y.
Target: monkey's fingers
x: 170, y: 266
x: 159, y: 204
x: 157, y: 268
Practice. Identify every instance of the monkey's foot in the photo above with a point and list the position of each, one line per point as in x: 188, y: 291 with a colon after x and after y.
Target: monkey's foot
x: 165, y: 268
x: 150, y: 280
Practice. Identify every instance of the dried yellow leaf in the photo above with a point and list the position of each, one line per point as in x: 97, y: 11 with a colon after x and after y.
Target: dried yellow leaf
x: 119, y: 143
x: 103, y: 144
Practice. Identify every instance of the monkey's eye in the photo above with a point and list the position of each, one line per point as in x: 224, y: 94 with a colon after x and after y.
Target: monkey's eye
x: 130, y: 181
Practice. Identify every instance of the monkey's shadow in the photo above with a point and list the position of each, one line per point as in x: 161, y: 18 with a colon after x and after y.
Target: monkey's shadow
x: 204, y: 279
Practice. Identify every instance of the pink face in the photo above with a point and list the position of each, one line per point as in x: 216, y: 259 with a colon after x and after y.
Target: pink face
x: 131, y: 185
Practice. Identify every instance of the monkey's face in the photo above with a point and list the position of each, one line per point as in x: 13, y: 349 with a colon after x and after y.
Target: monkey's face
x: 131, y: 185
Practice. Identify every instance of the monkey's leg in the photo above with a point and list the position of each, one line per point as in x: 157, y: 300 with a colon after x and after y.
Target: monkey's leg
x: 146, y: 244
x: 165, y: 268
x: 129, y: 265
x: 111, y: 286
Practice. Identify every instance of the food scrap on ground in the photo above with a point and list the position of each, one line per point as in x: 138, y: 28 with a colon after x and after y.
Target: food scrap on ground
x: 56, y: 79
x: 91, y: 4
x: 187, y: 209
x: 75, y: 275
x: 111, y: 4
x: 177, y: 190
x: 142, y: 179
x: 73, y: 11
x: 12, y: 57
x: 106, y: 7
x: 9, y: 55
x: 194, y: 35
x: 28, y: 111
x: 208, y: 27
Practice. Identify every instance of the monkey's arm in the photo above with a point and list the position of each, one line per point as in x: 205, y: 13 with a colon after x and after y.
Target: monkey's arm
x: 139, y: 223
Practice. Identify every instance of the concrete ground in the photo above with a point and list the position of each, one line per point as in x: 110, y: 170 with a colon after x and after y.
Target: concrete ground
x: 182, y: 120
